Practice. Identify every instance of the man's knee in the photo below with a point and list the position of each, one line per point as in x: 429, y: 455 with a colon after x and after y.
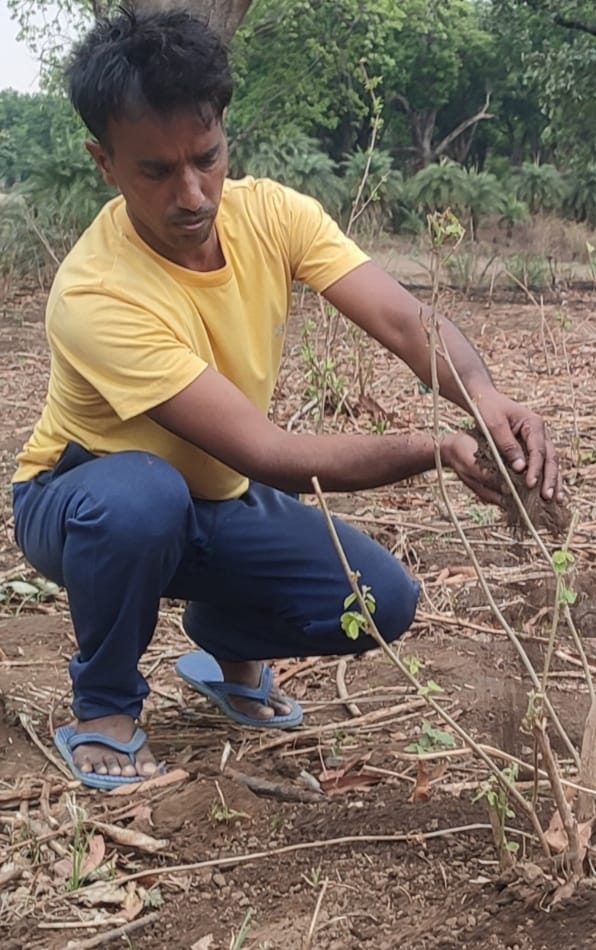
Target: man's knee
x: 396, y: 597
x: 136, y: 497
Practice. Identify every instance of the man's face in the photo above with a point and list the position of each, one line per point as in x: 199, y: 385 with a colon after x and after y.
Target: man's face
x: 171, y: 173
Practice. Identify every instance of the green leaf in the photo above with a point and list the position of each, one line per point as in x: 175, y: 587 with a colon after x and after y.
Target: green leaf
x: 414, y: 664
x: 562, y: 560
x: 22, y: 588
x: 430, y: 687
x: 352, y: 623
x: 567, y: 596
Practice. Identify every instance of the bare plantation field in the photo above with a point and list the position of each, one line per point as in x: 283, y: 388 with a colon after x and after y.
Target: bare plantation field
x: 369, y: 826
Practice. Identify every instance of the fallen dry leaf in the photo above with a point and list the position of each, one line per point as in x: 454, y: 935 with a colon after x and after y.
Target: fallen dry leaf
x: 132, y: 839
x: 133, y: 904
x: 10, y: 872
x: 564, y: 891
x: 205, y: 943
x: 343, y: 779
x: 94, y: 856
x: 62, y: 870
x: 455, y: 574
x: 421, y: 791
x: 148, y: 784
x: 103, y: 892
x: 556, y: 835
x: 141, y: 812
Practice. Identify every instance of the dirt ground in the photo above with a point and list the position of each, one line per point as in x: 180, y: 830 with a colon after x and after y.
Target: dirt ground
x: 334, y: 836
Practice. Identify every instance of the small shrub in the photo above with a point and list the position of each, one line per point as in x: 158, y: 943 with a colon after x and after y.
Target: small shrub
x: 439, y: 187
x: 467, y: 269
x: 580, y: 199
x: 541, y: 187
x: 529, y: 271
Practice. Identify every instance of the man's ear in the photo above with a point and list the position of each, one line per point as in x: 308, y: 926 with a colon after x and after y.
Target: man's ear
x: 103, y: 161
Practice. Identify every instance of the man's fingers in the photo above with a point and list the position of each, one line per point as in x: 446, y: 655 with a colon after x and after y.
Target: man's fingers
x: 508, y: 445
x: 539, y: 448
x: 552, y: 484
x: 489, y: 495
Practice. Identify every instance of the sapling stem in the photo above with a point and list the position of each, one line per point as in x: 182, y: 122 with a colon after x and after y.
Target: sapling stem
x: 576, y: 853
x: 376, y: 635
x: 434, y: 339
x: 557, y: 608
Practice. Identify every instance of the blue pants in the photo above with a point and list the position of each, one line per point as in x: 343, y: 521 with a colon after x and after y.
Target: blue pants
x: 259, y: 572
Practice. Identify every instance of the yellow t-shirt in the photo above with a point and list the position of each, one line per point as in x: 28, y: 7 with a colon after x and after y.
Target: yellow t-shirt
x: 129, y: 329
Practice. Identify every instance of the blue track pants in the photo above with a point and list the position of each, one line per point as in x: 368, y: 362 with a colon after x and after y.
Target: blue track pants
x: 259, y: 572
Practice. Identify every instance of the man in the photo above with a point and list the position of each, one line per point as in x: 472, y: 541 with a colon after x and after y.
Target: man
x: 154, y: 470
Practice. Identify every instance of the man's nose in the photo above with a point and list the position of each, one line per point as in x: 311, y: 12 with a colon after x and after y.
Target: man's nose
x: 189, y: 195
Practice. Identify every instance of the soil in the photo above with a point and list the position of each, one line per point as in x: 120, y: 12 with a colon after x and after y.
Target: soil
x: 434, y: 882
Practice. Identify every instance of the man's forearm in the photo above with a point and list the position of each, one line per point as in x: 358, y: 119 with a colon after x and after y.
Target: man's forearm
x: 342, y: 462
x: 391, y: 314
x: 468, y: 364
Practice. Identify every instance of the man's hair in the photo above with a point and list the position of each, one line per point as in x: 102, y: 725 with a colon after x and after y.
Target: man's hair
x: 165, y: 63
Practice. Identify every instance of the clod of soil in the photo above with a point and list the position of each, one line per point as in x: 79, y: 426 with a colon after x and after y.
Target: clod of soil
x: 546, y: 516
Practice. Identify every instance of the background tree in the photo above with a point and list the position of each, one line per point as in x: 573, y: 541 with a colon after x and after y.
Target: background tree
x: 482, y: 102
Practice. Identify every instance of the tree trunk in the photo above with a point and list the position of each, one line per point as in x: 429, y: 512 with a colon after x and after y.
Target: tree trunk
x: 422, y: 125
x: 224, y: 16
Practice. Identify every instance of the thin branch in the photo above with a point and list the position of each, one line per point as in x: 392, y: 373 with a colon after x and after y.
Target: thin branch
x: 374, y: 632
x: 459, y: 129
x: 238, y: 859
x: 574, y: 25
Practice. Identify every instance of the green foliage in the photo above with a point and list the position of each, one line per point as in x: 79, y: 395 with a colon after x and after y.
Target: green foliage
x: 431, y: 739
x: 580, y: 197
x: 466, y: 270
x: 558, y: 60
x: 20, y: 591
x: 302, y: 114
x: 383, y: 186
x: 528, y: 270
x: 352, y: 621
x: 541, y: 187
x: 513, y: 211
x: 439, y: 187
x: 563, y: 560
x: 294, y: 160
x: 482, y: 196
x: 54, y: 187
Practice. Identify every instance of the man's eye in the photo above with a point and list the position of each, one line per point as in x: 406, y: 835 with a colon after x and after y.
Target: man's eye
x: 208, y: 162
x: 155, y: 173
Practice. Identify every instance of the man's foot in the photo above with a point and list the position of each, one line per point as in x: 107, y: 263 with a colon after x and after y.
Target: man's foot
x: 249, y: 674
x: 105, y: 761
x: 243, y: 691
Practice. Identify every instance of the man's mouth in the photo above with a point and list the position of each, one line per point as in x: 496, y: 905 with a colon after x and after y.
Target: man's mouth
x: 193, y: 224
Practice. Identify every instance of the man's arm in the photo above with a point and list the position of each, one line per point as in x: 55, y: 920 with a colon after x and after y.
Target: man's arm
x: 214, y: 415
x: 383, y: 308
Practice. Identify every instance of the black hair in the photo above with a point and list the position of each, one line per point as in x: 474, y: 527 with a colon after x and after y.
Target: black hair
x: 164, y: 62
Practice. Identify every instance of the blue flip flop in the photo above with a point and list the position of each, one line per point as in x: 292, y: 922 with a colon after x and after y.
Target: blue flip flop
x: 202, y: 671
x: 67, y: 739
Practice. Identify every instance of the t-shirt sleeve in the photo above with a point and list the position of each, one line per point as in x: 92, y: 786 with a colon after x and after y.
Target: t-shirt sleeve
x: 127, y: 354
x: 320, y: 253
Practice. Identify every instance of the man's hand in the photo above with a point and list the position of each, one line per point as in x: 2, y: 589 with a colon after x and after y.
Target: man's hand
x: 521, y: 437
x: 388, y: 312
x: 458, y: 452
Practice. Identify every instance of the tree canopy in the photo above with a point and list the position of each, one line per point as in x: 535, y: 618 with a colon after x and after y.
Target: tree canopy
x: 470, y: 89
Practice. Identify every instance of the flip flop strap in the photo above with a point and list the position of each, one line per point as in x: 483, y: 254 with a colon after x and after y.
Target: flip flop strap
x: 138, y: 740
x: 260, y: 692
